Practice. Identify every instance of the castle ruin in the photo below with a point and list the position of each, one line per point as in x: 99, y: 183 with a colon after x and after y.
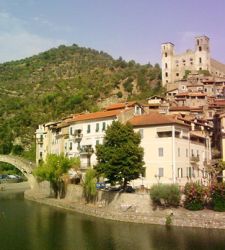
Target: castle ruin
x: 176, y: 66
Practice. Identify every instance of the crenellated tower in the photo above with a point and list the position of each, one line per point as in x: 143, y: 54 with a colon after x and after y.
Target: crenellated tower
x: 167, y: 52
x: 202, y: 53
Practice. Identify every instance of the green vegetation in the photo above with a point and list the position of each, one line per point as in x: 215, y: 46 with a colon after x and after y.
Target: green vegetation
x: 6, y: 168
x: 204, y: 72
x: 195, y: 195
x: 52, y: 170
x: 165, y: 195
x: 90, y: 190
x: 186, y: 73
x: 169, y: 220
x: 217, y: 195
x: 120, y: 158
x: 61, y: 81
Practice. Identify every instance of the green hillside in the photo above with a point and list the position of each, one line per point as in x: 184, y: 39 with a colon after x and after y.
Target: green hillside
x: 61, y: 81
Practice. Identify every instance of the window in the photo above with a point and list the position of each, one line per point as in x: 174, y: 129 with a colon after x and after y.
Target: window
x: 71, y: 146
x: 160, y: 150
x: 141, y: 131
x: 41, y: 154
x: 71, y: 131
x: 97, y: 142
x: 200, y: 48
x: 160, y: 172
x: 177, y: 134
x: 137, y: 110
x: 166, y: 74
x: 164, y: 134
x: 177, y: 74
x: 165, y: 54
x: 166, y: 65
x: 200, y: 60
x: 180, y: 172
x: 97, y: 127
x: 189, y: 172
x: 144, y: 172
x: 103, y: 126
x: 89, y: 128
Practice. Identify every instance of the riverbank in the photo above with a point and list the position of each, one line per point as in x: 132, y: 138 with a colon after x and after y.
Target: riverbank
x: 135, y: 208
x: 20, y: 187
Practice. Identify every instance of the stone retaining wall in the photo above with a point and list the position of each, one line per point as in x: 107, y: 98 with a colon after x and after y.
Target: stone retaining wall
x: 130, y: 208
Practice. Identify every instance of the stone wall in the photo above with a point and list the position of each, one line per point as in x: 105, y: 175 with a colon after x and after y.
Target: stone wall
x: 130, y: 208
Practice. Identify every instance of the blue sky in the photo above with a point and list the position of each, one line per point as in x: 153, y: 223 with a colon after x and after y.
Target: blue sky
x: 133, y: 29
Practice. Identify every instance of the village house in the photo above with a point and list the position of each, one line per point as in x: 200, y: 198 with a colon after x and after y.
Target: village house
x: 172, y: 152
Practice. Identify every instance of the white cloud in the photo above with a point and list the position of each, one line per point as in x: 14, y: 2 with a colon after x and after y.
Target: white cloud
x: 16, y: 42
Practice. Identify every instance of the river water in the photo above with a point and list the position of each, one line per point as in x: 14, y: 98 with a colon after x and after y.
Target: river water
x: 26, y: 225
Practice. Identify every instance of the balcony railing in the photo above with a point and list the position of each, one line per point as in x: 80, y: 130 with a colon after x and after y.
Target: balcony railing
x: 86, y: 150
x: 195, y: 159
x: 77, y: 135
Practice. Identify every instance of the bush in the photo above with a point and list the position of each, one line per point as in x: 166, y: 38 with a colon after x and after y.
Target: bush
x: 165, y: 194
x: 217, y: 195
x: 90, y: 181
x: 194, y: 196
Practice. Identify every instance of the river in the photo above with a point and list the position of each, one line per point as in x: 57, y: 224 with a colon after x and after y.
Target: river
x: 26, y: 225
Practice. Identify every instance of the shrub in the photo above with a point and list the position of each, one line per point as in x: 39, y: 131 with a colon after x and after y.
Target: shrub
x: 194, y: 196
x: 165, y: 194
x: 217, y: 195
x: 90, y: 181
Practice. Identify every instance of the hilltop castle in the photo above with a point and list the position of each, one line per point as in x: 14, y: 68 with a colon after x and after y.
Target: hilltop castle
x: 174, y: 67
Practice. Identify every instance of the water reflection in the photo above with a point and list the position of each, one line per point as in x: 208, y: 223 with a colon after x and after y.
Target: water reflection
x: 30, y: 226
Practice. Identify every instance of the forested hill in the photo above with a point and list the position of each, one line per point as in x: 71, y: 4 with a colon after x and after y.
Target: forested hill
x: 62, y: 81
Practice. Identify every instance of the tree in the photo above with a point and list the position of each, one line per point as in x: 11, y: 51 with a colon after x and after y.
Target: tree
x: 216, y: 169
x: 120, y: 158
x: 52, y: 170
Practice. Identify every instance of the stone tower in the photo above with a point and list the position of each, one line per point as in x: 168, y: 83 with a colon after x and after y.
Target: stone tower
x: 167, y: 53
x: 202, y: 53
x: 175, y: 66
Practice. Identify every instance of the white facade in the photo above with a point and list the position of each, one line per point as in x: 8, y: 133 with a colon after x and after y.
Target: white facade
x: 172, y: 156
x: 84, y: 136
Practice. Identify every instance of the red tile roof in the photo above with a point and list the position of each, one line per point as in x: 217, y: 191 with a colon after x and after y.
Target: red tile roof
x: 120, y: 105
x: 153, y: 118
x: 96, y: 115
x: 180, y: 108
x: 191, y: 94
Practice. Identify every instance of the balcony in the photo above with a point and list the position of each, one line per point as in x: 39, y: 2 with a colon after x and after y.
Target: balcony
x: 86, y: 150
x: 77, y: 135
x: 194, y: 160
